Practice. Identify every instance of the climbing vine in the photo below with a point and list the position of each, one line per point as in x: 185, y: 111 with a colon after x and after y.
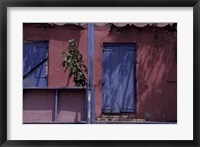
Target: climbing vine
x: 73, y: 61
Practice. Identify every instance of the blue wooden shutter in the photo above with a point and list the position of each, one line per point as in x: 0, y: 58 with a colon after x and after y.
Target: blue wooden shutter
x: 118, y: 78
x: 34, y: 64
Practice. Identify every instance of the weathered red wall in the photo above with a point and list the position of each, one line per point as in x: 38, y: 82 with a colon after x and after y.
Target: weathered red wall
x: 156, y: 69
x: 71, y: 102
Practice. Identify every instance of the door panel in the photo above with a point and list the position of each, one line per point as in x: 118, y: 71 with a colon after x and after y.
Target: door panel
x: 110, y: 84
x: 118, y: 78
x: 126, y: 78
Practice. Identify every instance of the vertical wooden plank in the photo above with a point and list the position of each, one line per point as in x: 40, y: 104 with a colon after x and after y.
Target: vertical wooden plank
x: 115, y: 80
x: 126, y: 78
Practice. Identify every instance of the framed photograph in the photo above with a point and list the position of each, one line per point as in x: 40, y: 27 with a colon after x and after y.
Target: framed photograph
x: 77, y: 73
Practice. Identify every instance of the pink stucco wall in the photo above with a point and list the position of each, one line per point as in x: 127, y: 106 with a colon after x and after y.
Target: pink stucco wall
x: 71, y: 106
x: 156, y: 66
x: 38, y: 105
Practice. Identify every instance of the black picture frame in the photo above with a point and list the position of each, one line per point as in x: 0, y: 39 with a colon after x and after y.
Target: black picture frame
x: 4, y: 4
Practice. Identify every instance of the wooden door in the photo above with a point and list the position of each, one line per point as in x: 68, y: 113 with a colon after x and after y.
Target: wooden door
x: 118, y: 78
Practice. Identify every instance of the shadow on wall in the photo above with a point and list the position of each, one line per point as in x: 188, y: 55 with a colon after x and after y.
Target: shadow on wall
x: 157, y: 66
x: 156, y: 70
x: 156, y: 96
x: 71, y: 106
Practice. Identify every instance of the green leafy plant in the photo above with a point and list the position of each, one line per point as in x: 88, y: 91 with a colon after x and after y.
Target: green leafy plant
x: 73, y: 61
